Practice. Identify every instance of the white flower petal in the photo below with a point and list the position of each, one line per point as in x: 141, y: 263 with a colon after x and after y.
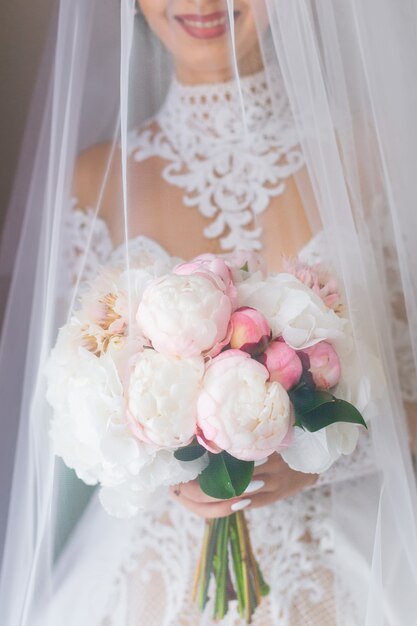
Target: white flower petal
x: 309, y: 452
x: 162, y: 397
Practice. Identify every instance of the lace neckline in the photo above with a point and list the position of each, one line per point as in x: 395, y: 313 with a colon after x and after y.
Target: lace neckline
x: 229, y: 170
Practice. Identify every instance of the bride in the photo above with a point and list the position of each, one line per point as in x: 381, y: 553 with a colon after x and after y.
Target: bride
x: 244, y: 151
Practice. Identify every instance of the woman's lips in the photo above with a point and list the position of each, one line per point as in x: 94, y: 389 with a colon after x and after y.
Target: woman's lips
x: 205, y: 26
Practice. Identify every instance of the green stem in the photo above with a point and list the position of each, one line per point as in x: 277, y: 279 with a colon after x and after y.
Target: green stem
x: 237, y: 564
x: 248, y: 612
x: 201, y: 561
x: 248, y: 585
x: 265, y: 588
x: 221, y: 568
x: 252, y: 565
x: 207, y: 565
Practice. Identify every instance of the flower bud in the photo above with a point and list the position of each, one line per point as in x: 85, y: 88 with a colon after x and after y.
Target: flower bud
x: 250, y: 331
x: 283, y: 364
x: 324, y: 365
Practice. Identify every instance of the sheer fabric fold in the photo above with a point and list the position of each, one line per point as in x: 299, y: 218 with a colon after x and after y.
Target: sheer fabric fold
x: 294, y: 124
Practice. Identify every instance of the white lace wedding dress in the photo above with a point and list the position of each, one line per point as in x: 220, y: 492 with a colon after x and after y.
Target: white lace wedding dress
x: 139, y: 572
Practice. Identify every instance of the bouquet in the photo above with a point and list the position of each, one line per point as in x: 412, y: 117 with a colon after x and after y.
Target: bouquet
x: 173, y: 372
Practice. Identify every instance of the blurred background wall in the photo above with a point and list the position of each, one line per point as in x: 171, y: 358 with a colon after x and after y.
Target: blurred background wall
x: 23, y: 32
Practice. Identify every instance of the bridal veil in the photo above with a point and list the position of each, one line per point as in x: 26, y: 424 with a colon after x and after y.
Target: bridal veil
x: 333, y: 106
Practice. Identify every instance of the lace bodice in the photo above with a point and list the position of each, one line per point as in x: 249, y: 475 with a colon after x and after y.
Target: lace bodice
x: 292, y: 538
x: 229, y: 161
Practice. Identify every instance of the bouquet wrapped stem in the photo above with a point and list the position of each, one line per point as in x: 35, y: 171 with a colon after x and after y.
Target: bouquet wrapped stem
x: 227, y: 555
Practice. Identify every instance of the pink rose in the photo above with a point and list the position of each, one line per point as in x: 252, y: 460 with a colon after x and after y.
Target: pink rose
x: 324, y: 365
x: 250, y: 331
x: 239, y: 410
x: 283, y: 364
x: 210, y: 265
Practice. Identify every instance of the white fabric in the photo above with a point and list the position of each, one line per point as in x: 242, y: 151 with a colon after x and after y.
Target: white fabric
x: 347, y: 71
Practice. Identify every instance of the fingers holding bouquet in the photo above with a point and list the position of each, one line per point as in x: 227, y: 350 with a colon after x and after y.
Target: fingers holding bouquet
x: 193, y: 498
x: 272, y: 480
x: 276, y: 481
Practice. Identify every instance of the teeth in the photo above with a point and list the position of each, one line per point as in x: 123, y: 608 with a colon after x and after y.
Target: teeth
x: 211, y: 24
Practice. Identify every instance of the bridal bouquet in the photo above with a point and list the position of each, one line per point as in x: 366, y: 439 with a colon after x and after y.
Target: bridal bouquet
x: 168, y: 373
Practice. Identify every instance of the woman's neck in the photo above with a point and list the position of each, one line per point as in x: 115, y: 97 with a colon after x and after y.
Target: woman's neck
x: 187, y: 75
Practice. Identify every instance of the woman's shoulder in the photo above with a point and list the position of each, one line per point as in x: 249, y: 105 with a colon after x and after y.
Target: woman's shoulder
x: 96, y: 173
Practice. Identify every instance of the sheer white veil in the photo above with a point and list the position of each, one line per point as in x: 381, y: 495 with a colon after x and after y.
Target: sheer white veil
x: 348, y: 70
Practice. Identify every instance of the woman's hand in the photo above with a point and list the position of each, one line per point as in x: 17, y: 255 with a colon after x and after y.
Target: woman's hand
x: 272, y: 480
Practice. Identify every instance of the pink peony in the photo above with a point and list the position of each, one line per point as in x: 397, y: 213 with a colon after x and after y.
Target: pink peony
x: 317, y: 278
x: 250, y: 331
x: 324, y: 365
x: 185, y: 316
x: 239, y: 410
x: 211, y: 266
x: 283, y: 364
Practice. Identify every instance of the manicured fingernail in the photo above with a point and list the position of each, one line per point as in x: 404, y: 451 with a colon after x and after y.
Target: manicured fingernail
x: 260, y: 462
x: 241, y: 504
x: 254, y: 485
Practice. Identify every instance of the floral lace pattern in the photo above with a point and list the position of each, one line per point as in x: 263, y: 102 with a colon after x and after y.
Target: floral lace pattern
x: 293, y: 542
x: 86, y: 231
x: 230, y: 161
x: 146, y: 579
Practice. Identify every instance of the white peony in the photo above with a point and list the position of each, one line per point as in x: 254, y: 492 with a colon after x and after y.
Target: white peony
x: 87, y: 397
x: 132, y: 285
x: 89, y: 429
x: 108, y: 308
x: 362, y: 382
x: 162, y: 398
x: 292, y: 310
x: 314, y: 453
x: 184, y: 315
x: 145, y: 490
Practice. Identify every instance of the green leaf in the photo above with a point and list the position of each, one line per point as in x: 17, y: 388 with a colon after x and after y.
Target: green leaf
x: 225, y: 477
x: 265, y: 588
x: 190, y: 453
x: 306, y: 399
x: 330, y: 413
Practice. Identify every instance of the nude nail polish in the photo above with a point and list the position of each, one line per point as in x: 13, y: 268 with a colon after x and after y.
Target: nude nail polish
x: 241, y: 504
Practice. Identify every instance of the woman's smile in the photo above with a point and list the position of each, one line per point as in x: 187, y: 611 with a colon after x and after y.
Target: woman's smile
x: 207, y: 26
x: 198, y: 35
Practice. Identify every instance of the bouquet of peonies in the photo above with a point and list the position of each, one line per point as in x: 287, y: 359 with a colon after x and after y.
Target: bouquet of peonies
x: 169, y: 372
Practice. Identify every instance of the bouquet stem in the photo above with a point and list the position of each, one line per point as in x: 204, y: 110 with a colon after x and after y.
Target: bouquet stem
x: 241, y: 579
